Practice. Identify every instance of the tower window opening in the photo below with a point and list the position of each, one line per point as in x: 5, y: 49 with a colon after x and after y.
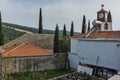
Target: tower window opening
x: 106, y: 26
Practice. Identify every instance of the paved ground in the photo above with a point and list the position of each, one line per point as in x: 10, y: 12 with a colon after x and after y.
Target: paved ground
x: 71, y: 76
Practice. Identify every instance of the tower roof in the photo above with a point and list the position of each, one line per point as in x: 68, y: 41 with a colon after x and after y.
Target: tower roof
x: 102, y: 10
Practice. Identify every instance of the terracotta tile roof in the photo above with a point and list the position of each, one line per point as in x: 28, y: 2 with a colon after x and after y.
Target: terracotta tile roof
x: 78, y: 36
x: 25, y: 50
x: 102, y: 34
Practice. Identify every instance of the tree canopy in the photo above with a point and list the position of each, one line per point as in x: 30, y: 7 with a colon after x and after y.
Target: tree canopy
x: 84, y: 25
x: 40, y: 22
x: 1, y: 35
x: 56, y: 40
x: 72, y: 29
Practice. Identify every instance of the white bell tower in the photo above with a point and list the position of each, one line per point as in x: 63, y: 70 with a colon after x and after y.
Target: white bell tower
x: 105, y: 18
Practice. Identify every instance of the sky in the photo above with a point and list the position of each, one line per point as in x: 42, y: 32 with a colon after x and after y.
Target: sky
x: 26, y: 12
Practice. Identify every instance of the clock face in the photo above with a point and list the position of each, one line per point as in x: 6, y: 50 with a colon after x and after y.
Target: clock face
x: 101, y: 15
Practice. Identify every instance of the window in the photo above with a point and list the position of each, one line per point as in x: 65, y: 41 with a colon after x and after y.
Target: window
x: 106, y: 26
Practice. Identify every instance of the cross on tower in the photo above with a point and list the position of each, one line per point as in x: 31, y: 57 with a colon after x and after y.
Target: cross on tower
x: 102, y: 6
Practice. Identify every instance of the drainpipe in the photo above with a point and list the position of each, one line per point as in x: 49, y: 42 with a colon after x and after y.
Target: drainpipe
x: 96, y: 65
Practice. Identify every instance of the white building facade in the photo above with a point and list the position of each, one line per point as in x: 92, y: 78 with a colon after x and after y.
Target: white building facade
x: 103, y: 53
x: 99, y: 49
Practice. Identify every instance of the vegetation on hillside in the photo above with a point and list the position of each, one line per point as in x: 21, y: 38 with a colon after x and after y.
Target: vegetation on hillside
x: 11, y: 34
x: 35, y: 30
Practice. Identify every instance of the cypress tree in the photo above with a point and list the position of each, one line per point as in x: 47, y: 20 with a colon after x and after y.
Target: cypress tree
x: 64, y: 30
x: 1, y: 35
x: 88, y: 25
x: 84, y: 25
x: 56, y: 40
x: 72, y: 29
x: 0, y: 23
x: 40, y: 22
x: 109, y: 17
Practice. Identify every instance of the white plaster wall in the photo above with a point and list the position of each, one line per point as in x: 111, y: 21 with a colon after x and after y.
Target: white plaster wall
x: 73, y: 61
x: 88, y: 51
x: 109, y: 26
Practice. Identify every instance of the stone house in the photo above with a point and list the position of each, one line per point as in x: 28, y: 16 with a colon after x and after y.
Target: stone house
x: 26, y: 57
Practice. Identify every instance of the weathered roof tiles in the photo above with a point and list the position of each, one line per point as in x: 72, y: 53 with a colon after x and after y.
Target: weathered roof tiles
x: 25, y: 50
x: 102, y: 34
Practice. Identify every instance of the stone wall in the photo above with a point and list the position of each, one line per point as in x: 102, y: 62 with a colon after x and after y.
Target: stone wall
x: 40, y: 63
x: 21, y: 64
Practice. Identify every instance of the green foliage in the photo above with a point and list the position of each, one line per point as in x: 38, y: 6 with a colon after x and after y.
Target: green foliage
x: 64, y: 30
x: 1, y: 39
x: 38, y: 75
x: 1, y: 35
x: 109, y: 17
x: 64, y: 45
x: 40, y: 22
x: 34, y: 30
x: 0, y: 22
x: 11, y: 34
x: 84, y: 25
x: 61, y: 43
x: 60, y: 61
x: 72, y: 29
x: 56, y: 40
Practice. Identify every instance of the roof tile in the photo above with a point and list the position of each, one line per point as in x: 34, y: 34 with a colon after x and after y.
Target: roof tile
x: 102, y: 34
x: 25, y: 50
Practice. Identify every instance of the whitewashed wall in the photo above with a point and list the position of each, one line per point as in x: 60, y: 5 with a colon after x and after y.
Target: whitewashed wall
x: 73, y: 61
x: 109, y: 26
x: 87, y: 51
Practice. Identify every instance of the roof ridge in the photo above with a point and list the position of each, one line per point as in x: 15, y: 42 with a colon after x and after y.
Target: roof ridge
x: 39, y: 48
x: 12, y: 53
x: 15, y: 47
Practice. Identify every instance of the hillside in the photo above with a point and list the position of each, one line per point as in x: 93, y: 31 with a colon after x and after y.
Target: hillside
x: 33, y: 30
x: 11, y: 34
x: 13, y: 31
